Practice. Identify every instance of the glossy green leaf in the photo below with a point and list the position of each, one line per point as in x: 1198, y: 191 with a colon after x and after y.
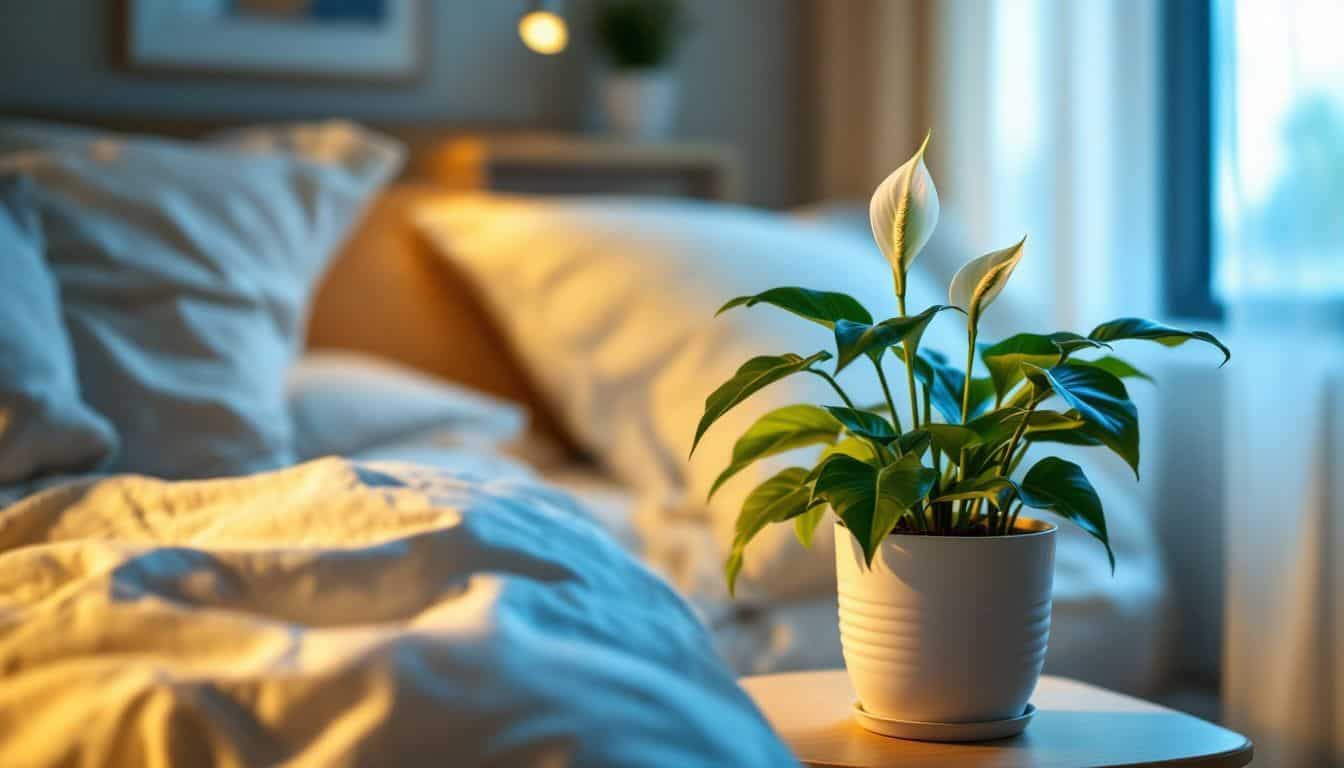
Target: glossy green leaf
x: 854, y: 339
x: 853, y: 447
x: 1061, y: 487
x: 1085, y: 435
x: 943, y: 381
x: 1100, y: 399
x: 780, y: 430
x: 783, y: 496
x: 870, y: 499
x: 982, y: 395
x: 805, y: 525
x: 951, y: 438
x: 1004, y: 359
x: 915, y: 441
x: 824, y: 307
x: 1138, y: 328
x: 1115, y: 366
x: 998, y: 426
x: 864, y: 424
x: 996, y: 490
x: 754, y: 375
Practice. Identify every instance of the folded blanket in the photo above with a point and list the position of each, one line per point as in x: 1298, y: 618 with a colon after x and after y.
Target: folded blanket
x: 348, y: 614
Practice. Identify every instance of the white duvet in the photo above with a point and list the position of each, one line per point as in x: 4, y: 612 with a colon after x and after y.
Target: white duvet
x: 345, y: 613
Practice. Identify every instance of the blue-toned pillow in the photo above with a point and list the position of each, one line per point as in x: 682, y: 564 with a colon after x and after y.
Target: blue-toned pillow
x: 45, y: 428
x: 184, y: 270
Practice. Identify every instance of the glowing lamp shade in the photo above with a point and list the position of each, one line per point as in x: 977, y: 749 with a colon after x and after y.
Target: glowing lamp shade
x: 544, y: 31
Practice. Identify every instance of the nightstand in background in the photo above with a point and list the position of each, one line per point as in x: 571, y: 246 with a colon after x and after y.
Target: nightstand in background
x: 544, y: 163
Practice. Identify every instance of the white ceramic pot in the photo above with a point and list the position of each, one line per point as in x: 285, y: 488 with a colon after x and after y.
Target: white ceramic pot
x: 946, y: 629
x: 640, y: 104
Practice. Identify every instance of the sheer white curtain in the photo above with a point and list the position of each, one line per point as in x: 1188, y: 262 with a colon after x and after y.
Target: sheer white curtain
x: 1046, y: 110
x: 1279, y: 70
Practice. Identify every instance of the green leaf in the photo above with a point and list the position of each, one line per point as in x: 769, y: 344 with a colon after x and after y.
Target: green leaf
x: 1113, y: 365
x: 1004, y: 359
x: 1138, y: 328
x: 805, y: 525
x: 864, y: 424
x: 854, y: 339
x: 1101, y: 400
x: 853, y: 447
x: 951, y: 438
x: 998, y: 491
x: 781, y: 497
x: 982, y: 394
x: 943, y: 381
x: 1085, y: 435
x: 754, y: 375
x: 824, y: 307
x: 869, y: 499
x: 997, y: 426
x: 780, y: 430
x: 1061, y: 487
x: 915, y: 441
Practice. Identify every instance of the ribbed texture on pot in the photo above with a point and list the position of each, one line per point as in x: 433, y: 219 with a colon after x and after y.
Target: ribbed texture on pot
x: 945, y: 629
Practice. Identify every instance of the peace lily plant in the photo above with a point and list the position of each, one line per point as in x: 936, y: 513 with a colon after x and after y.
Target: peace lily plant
x: 947, y: 466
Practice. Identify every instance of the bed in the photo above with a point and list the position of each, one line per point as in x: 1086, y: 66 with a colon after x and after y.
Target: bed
x: 521, y: 551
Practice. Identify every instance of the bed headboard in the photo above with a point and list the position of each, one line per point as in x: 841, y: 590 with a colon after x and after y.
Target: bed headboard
x: 386, y: 293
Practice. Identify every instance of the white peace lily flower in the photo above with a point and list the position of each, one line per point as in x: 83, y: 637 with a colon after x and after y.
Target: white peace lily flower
x: 904, y: 212
x: 981, y: 280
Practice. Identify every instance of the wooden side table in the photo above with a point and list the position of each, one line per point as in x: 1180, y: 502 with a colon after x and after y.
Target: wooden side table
x: 1076, y: 725
x: 544, y: 163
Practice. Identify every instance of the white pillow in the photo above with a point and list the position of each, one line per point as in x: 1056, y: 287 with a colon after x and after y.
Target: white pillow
x: 610, y: 305
x: 45, y: 427
x: 184, y: 269
x: 343, y: 403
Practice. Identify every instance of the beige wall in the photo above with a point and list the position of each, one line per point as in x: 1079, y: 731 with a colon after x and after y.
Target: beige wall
x: 740, y: 73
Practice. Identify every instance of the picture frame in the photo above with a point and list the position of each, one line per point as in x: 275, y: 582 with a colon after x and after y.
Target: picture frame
x: 370, y: 41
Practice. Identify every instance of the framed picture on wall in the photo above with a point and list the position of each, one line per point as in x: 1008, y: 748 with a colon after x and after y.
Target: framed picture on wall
x: 360, y: 40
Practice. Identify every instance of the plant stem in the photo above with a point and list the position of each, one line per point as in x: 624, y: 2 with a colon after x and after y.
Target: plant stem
x: 1012, y: 519
x: 829, y: 380
x: 971, y: 332
x: 886, y: 392
x: 928, y: 406
x: 909, y: 368
x: 1006, y: 467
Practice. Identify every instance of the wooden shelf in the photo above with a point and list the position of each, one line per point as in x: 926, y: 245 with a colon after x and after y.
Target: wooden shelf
x: 541, y: 163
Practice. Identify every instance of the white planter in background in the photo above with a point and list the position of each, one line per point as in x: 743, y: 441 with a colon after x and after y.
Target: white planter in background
x: 946, y: 629
x: 640, y: 104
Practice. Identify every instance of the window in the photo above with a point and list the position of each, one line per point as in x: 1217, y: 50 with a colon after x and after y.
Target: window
x: 1253, y: 152
x: 1278, y: 134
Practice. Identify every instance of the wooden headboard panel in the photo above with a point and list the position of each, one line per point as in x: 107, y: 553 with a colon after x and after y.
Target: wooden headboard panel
x: 386, y: 293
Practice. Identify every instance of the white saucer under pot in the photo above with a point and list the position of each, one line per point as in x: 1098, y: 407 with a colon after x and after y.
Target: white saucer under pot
x: 919, y: 731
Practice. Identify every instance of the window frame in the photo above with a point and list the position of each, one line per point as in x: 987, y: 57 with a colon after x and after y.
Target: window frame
x: 1187, y: 158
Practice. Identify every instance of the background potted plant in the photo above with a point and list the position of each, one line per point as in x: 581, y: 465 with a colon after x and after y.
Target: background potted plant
x: 944, y: 585
x: 638, y: 39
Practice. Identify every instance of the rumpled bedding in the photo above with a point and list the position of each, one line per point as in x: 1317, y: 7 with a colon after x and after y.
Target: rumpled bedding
x: 348, y: 613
